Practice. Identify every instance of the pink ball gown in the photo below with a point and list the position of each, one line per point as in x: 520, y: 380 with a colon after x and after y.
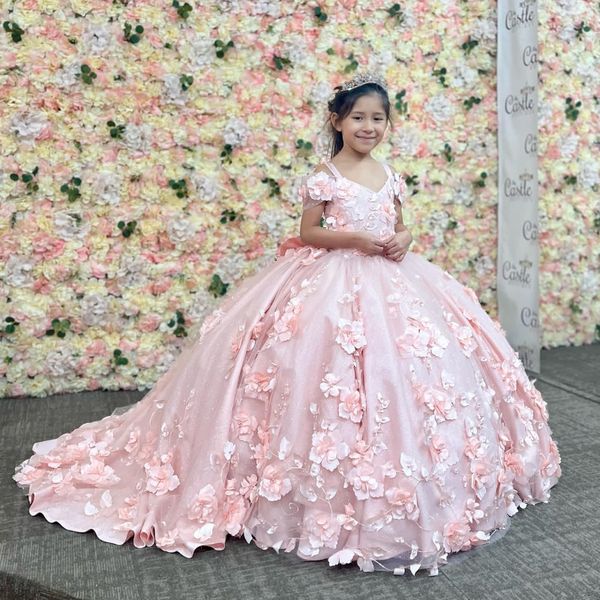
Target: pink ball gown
x: 337, y: 405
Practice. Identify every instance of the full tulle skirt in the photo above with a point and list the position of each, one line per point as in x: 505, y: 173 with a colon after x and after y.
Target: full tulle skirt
x: 338, y: 406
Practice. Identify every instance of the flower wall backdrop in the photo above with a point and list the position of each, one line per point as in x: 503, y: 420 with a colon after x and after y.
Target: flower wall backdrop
x: 151, y: 156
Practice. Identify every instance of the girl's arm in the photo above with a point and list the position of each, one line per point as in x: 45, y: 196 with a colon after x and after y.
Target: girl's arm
x: 400, y: 226
x: 313, y: 234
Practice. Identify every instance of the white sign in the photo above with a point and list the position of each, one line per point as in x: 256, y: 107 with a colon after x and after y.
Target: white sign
x: 518, y: 253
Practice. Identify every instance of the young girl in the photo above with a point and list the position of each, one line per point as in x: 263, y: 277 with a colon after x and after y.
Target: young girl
x: 351, y: 401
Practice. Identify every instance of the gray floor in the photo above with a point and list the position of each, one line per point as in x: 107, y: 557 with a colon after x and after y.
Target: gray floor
x: 551, y: 551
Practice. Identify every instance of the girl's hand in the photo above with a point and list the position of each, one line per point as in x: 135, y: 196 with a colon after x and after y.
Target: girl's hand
x: 368, y: 243
x: 396, y: 246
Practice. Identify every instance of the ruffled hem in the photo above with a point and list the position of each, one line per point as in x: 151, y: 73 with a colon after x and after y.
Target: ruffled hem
x: 397, y: 564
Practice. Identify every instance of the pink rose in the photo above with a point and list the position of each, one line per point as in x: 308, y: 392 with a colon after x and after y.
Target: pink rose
x: 149, y: 322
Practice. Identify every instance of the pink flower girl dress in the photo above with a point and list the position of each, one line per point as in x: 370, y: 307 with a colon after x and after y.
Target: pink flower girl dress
x: 337, y: 405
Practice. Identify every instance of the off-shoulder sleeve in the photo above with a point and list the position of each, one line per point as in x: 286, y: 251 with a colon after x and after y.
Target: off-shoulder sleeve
x: 316, y: 188
x: 399, y: 187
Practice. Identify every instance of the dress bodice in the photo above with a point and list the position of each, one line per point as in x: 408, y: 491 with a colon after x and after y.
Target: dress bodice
x: 350, y: 206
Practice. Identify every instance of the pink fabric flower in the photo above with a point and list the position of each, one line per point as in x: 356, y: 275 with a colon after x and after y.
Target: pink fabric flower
x: 438, y: 448
x: 456, y: 535
x: 363, y: 481
x: 472, y: 511
x: 322, y: 530
x: 96, y: 473
x: 286, y: 324
x: 514, y: 462
x: 28, y: 474
x: 320, y: 186
x: 350, y: 406
x: 422, y: 339
x: 259, y: 385
x: 248, y: 486
x: 474, y: 447
x: 346, y: 520
x: 480, y: 476
x: 204, y: 505
x: 440, y: 403
x: 132, y: 443
x: 329, y: 385
x: 404, y: 501
x: 509, y: 371
x: 128, y: 511
x: 234, y: 512
x: 350, y: 335
x: 160, y: 476
x: 273, y: 485
x: 328, y: 449
x: 245, y: 426
x: 168, y: 540
x: 464, y: 335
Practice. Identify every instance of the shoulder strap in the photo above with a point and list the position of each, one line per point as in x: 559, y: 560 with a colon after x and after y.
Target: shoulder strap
x: 387, y: 169
x: 333, y: 168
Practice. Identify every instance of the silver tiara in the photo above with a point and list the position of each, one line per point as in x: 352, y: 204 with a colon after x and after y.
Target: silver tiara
x: 357, y: 81
x: 362, y: 79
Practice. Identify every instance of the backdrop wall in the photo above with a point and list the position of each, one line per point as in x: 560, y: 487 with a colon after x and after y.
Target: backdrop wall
x: 151, y: 157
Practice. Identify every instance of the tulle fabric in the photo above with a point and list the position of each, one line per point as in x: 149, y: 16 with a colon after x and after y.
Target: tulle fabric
x: 336, y: 406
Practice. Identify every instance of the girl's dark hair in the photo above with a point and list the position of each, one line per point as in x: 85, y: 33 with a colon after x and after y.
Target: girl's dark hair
x: 343, y: 102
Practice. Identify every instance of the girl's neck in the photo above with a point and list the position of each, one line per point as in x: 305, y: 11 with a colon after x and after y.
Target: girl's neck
x: 352, y: 157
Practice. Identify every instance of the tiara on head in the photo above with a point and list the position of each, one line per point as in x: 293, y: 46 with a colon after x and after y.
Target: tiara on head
x: 357, y: 81
x: 361, y: 79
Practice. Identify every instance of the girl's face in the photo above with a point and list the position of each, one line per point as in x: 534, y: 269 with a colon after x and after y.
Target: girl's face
x: 363, y: 128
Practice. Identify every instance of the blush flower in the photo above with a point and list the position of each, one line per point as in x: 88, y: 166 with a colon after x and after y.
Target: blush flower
x: 320, y: 186
x: 438, y: 449
x: 259, y: 385
x: 96, y: 473
x: 456, y: 535
x: 422, y: 339
x: 322, y: 530
x: 329, y: 385
x: 464, y: 335
x: 273, y: 485
x: 440, y: 403
x: 204, y: 505
x: 350, y: 406
x: 404, y: 501
x: 350, y: 335
x: 245, y: 426
x: 328, y: 449
x: 160, y: 476
x: 235, y: 509
x: 364, y: 482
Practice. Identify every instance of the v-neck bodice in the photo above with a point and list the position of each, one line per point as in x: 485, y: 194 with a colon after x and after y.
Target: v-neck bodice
x: 351, y: 206
x: 337, y: 173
